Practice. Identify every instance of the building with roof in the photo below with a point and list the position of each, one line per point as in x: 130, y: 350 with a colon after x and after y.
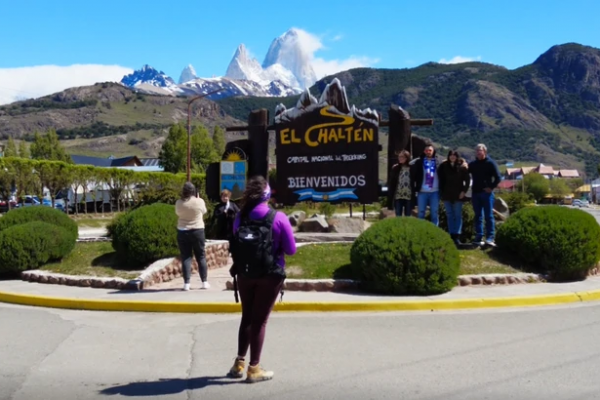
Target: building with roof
x: 109, y: 162
x: 545, y: 170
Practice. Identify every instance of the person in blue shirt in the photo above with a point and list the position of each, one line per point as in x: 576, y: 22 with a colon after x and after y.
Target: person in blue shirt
x: 425, y: 183
x: 486, y: 176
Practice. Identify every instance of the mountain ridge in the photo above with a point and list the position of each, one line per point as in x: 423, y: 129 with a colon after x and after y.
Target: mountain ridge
x: 551, y: 107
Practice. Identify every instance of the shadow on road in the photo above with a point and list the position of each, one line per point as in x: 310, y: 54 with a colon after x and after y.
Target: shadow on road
x: 167, y: 386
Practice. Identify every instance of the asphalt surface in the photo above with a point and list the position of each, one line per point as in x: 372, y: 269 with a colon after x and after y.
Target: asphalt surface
x: 549, y: 353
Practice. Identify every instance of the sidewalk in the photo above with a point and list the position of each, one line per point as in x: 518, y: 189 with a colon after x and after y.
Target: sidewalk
x: 170, y: 298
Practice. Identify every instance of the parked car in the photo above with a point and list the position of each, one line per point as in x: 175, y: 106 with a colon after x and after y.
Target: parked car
x: 31, y: 201
x: 581, y: 203
x: 4, y: 205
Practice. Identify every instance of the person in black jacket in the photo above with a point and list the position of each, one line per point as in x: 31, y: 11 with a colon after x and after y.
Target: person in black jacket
x: 486, y: 176
x: 454, y: 184
x: 224, y: 216
x: 425, y: 183
x: 399, y: 186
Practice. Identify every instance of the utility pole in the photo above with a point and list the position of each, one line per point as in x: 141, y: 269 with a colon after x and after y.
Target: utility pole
x: 189, y: 129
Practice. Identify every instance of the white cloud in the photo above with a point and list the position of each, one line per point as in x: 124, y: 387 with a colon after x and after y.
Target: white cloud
x: 311, y: 44
x: 459, y: 60
x: 31, y: 82
x: 337, y: 38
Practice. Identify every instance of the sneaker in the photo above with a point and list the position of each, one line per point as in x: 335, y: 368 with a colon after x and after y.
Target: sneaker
x: 478, y: 242
x: 237, y: 371
x: 257, y: 374
x: 186, y: 287
x: 205, y: 285
x: 490, y: 242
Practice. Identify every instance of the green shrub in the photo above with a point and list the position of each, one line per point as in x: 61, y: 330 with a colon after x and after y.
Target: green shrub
x: 563, y: 242
x: 30, y: 245
x: 516, y: 200
x: 52, y: 216
x: 405, y: 256
x: 327, y: 209
x: 145, y: 235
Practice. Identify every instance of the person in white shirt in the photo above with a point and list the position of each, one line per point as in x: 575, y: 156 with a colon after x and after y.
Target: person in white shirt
x: 190, y: 210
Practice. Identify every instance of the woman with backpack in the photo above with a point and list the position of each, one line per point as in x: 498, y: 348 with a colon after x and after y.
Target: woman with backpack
x: 260, y: 241
x: 190, y: 211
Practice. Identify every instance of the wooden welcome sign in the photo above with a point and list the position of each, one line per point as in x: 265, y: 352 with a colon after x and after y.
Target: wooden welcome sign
x: 326, y: 151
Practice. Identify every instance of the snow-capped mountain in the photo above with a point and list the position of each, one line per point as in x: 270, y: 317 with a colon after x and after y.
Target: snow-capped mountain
x: 187, y: 74
x: 234, y: 87
x: 149, y: 76
x: 244, y: 67
x: 149, y: 80
x: 286, y: 70
x: 286, y: 61
x: 289, y: 54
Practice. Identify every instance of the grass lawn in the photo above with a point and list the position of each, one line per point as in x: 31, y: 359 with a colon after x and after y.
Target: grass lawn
x: 94, y: 259
x: 323, y: 261
x: 93, y: 220
x: 326, y: 261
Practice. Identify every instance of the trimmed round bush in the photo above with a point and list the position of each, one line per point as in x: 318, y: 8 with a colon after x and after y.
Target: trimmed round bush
x: 405, y: 256
x: 30, y: 245
x: 560, y: 241
x: 145, y: 235
x: 52, y: 216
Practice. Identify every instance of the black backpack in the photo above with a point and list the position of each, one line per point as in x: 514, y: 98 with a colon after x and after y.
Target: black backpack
x: 251, y: 248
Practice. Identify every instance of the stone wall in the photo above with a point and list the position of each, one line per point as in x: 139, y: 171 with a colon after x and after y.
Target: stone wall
x: 217, y: 256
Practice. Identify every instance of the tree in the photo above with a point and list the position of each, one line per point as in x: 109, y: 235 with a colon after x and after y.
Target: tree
x: 173, y: 154
x: 11, y: 148
x: 203, y: 151
x: 24, y: 150
x: 219, y: 142
x: 6, y: 180
x: 48, y: 147
x: 536, y: 185
x: 559, y: 188
x: 54, y: 175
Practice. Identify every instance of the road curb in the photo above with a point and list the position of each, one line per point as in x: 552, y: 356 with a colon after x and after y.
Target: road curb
x: 231, y: 307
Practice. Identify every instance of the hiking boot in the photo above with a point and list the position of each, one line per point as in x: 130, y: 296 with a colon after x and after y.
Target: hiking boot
x: 257, y: 374
x: 237, y: 371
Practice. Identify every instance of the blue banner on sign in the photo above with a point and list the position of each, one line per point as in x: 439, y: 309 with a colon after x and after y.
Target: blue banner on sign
x: 233, y: 177
x: 339, y: 194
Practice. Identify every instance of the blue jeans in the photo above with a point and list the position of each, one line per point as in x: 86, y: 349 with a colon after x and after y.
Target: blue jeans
x: 454, y: 216
x: 402, y: 207
x: 483, y: 205
x: 431, y: 199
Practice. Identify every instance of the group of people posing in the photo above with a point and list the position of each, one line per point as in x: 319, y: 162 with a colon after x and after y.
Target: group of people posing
x: 425, y: 181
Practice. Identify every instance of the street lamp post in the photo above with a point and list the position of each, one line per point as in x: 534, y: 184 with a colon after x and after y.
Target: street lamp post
x: 189, y: 128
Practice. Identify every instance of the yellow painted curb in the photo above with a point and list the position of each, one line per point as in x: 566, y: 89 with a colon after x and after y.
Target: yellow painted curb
x: 215, y: 308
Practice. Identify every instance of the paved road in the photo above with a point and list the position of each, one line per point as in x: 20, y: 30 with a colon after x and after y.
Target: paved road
x: 518, y: 354
x: 594, y: 211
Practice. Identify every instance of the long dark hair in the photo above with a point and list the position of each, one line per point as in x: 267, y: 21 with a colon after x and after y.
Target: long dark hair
x: 255, y: 188
x: 189, y: 190
x: 459, y: 161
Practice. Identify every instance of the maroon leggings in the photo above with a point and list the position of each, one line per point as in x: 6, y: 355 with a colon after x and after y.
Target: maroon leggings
x: 258, y: 297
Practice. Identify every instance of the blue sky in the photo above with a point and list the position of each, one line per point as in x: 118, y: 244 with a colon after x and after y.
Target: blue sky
x: 380, y: 33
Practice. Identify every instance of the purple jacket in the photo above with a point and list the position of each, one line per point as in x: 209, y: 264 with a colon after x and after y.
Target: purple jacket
x: 283, y: 236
